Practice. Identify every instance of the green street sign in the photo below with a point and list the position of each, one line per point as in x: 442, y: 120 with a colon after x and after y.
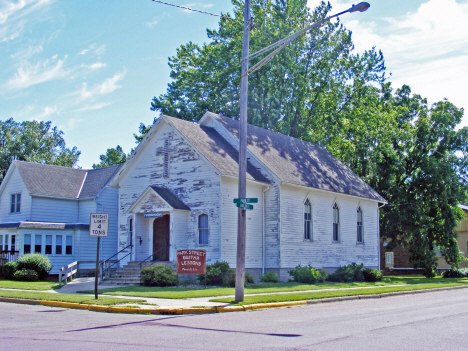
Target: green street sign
x: 245, y: 206
x: 252, y: 200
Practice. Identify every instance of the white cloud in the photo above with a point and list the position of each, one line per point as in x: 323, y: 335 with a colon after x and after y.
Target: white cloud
x: 14, y: 16
x: 96, y: 106
x: 197, y: 6
x: 108, y: 86
x: 47, y: 111
x: 43, y: 71
x: 152, y: 23
x: 426, y: 49
x: 27, y: 53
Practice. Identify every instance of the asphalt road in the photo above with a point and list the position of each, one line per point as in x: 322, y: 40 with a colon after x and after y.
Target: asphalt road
x: 429, y: 321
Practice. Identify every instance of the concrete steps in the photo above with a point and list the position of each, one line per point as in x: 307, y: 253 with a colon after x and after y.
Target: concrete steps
x: 130, y: 273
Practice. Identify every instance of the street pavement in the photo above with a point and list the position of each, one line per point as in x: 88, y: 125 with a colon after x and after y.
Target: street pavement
x: 429, y: 321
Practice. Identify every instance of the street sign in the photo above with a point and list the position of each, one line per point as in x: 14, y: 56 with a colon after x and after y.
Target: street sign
x: 99, y: 224
x: 245, y: 206
x: 252, y: 200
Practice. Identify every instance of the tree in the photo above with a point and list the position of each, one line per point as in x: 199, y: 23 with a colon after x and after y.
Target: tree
x: 33, y: 141
x: 112, y: 157
x: 315, y: 73
x: 318, y: 90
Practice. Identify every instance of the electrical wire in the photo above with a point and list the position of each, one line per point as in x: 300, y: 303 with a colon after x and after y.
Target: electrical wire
x: 188, y: 8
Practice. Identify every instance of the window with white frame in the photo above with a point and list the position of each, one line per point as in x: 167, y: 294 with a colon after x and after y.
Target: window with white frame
x: 69, y: 245
x: 1, y: 242
x: 48, y: 245
x: 336, y: 222
x: 360, y: 227
x: 15, y: 203
x: 307, y: 220
x: 58, y: 245
x: 203, y: 229
x: 6, y: 246
x: 38, y: 244
x: 27, y: 244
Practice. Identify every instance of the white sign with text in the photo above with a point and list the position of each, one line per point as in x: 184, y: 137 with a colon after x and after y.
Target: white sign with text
x: 99, y: 224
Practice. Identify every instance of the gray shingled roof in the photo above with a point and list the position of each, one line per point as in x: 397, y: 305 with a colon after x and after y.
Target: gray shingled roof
x: 215, y: 148
x: 96, y: 180
x: 170, y: 198
x: 56, y: 181
x: 300, y: 163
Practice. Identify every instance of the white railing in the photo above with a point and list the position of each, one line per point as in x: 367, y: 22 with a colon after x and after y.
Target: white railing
x: 68, y: 272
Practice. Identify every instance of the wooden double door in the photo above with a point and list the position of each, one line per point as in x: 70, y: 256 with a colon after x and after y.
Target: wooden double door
x: 161, y: 227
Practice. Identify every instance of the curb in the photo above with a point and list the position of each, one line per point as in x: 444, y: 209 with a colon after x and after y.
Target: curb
x: 217, y: 309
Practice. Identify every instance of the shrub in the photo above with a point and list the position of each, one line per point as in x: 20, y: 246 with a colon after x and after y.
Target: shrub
x: 270, y: 277
x: 26, y: 275
x: 37, y: 262
x: 372, y: 275
x: 158, y: 276
x: 307, y: 274
x: 219, y: 273
x: 249, y: 278
x: 9, y: 269
x: 454, y: 273
x: 347, y: 274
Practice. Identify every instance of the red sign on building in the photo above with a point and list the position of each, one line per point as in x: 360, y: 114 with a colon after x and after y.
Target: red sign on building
x: 191, y: 261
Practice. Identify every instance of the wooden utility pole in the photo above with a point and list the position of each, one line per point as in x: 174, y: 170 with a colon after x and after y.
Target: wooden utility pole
x: 241, y: 218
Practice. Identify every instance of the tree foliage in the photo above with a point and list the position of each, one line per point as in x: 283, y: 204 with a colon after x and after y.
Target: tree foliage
x: 35, y: 142
x: 315, y: 73
x: 113, y: 156
x: 317, y: 89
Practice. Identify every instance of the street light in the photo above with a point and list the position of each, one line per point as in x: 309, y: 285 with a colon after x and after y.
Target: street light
x: 279, y: 45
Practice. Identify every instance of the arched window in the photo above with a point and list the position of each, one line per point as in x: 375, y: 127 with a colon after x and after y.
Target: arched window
x: 307, y: 220
x: 336, y: 222
x: 203, y: 229
x: 360, y: 228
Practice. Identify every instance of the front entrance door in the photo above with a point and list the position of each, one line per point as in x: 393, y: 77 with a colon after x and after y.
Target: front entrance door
x: 161, y: 239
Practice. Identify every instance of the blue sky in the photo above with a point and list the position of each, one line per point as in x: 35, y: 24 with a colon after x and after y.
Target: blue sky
x: 92, y: 67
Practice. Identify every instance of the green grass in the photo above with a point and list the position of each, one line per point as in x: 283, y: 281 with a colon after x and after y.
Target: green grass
x: 254, y: 299
x: 41, y: 285
x: 75, y: 298
x: 184, y: 293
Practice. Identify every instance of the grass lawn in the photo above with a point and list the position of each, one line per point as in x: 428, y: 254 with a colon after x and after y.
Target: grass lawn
x: 41, y: 285
x: 183, y: 293
x: 248, y: 300
x: 75, y: 298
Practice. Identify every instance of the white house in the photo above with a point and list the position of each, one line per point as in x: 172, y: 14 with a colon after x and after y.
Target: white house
x: 46, y: 209
x: 176, y: 192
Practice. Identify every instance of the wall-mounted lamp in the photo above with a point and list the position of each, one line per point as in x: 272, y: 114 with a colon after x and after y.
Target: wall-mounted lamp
x: 141, y: 240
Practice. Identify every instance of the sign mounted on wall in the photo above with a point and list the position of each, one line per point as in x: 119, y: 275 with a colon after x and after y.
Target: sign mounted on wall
x: 191, y: 261
x: 153, y: 215
x: 99, y: 224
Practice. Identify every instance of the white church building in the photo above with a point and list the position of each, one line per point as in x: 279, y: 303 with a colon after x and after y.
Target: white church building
x: 176, y: 192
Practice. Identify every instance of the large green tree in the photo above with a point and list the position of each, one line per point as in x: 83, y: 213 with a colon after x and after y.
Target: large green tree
x: 313, y: 74
x: 112, y: 157
x: 35, y: 142
x: 317, y: 89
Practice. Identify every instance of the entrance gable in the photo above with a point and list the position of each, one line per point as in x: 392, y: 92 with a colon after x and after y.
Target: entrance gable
x: 155, y: 199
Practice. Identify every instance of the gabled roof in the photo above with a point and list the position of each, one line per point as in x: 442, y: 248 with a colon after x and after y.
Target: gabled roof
x: 300, y: 163
x: 215, y: 148
x: 157, y: 199
x: 170, y: 198
x: 64, y: 182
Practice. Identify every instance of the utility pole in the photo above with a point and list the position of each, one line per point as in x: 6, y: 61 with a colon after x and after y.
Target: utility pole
x: 241, y: 218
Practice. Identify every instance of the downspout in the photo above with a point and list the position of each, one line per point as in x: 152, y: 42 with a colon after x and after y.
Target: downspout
x: 378, y: 230
x: 263, y: 228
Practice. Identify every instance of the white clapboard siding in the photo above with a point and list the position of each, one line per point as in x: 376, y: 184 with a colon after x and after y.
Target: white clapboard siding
x: 54, y: 210
x: 15, y: 185
x: 86, y: 207
x: 253, y: 246
x: 322, y: 252
x: 191, y: 178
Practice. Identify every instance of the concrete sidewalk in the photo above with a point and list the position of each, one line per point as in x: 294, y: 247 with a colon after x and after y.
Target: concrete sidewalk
x: 84, y: 284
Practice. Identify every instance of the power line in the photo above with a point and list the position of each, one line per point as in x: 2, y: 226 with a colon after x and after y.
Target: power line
x: 188, y: 8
